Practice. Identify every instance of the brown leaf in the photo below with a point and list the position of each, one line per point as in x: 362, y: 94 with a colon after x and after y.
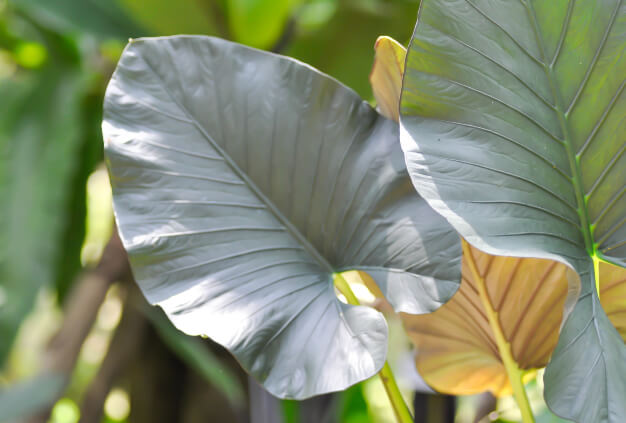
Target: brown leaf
x: 613, y: 295
x: 386, y: 75
x: 456, y: 348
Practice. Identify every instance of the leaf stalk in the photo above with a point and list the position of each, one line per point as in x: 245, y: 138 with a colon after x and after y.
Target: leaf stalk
x: 513, y: 371
x: 400, y: 409
x: 596, y: 272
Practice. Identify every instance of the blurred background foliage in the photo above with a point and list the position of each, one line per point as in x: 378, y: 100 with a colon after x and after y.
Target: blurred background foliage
x: 77, y: 342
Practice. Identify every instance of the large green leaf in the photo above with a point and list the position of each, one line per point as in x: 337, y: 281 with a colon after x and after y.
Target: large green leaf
x: 513, y: 129
x: 242, y: 181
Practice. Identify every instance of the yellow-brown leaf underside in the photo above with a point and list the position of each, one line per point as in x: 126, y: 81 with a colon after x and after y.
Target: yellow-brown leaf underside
x: 613, y: 295
x: 456, y: 349
x: 386, y: 76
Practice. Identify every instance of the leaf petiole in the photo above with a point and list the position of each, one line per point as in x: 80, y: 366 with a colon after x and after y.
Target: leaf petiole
x: 596, y: 272
x: 400, y: 409
x: 513, y: 371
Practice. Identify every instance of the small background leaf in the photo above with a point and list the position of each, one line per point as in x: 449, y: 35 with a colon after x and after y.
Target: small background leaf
x: 386, y: 76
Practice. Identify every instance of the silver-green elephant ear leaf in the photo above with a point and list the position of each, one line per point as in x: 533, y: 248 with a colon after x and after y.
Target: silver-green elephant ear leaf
x: 512, y: 124
x: 242, y: 181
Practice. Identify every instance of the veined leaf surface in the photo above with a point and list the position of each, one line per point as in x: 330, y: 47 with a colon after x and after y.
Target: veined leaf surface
x: 242, y: 181
x: 512, y: 120
x: 457, y: 352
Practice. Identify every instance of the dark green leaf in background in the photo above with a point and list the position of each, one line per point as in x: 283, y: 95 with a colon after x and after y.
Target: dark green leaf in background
x: 258, y: 23
x: 86, y: 159
x: 513, y: 129
x: 25, y: 398
x: 343, y: 46
x: 165, y: 17
x: 39, y: 131
x: 242, y: 181
x: 102, y: 18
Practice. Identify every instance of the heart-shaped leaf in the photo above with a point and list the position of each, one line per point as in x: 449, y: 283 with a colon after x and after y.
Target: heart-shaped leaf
x: 457, y: 350
x: 511, y: 125
x: 242, y: 181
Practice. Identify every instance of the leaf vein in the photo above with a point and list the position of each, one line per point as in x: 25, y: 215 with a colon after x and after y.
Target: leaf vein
x: 512, y: 175
x: 495, y: 62
x: 517, y: 43
x: 508, y: 106
x: 292, y: 230
x: 564, y: 29
x: 600, y: 121
x: 594, y: 60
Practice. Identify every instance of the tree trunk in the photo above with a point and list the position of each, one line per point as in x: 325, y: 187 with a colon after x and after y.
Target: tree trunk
x: 434, y: 408
x: 123, y: 351
x: 157, y: 383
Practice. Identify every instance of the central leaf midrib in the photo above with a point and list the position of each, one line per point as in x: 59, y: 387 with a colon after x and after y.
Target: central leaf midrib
x: 246, y: 179
x: 271, y: 206
x: 576, y: 177
x: 576, y: 181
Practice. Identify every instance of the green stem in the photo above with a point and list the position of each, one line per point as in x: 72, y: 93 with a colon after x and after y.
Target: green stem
x: 596, y: 272
x: 513, y: 371
x: 400, y: 409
